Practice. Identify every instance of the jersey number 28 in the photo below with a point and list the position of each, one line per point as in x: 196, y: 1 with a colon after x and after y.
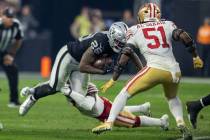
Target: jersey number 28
x: 155, y: 38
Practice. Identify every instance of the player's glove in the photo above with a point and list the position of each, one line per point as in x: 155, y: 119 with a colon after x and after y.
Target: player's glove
x: 197, y: 62
x: 107, y: 85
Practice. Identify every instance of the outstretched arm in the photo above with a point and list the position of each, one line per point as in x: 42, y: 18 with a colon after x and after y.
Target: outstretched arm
x: 126, y: 55
x: 186, y: 39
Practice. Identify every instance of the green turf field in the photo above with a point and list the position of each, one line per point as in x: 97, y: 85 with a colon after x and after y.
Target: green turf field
x: 53, y: 119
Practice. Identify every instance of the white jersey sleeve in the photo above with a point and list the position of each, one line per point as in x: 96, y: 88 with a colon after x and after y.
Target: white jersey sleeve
x: 130, y: 35
x: 170, y: 27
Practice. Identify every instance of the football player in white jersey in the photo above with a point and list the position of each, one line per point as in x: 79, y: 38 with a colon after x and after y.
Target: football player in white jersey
x: 99, y: 107
x: 153, y: 38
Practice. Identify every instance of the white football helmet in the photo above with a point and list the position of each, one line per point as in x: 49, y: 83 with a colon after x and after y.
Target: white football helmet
x: 117, y: 36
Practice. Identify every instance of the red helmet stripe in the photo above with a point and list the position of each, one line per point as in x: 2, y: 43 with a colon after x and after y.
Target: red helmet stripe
x: 154, y: 10
x: 150, y: 6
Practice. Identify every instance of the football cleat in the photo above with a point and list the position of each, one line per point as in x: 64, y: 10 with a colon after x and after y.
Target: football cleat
x: 193, y: 109
x: 66, y: 90
x: 106, y: 126
x: 165, y: 122
x: 13, y: 105
x: 147, y: 111
x: 26, y: 105
x: 25, y: 92
x: 186, y: 134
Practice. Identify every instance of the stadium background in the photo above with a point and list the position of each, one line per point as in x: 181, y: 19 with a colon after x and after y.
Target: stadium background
x: 55, y: 17
x: 52, y: 118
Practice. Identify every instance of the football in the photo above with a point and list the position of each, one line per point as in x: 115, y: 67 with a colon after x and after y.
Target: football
x: 102, y: 62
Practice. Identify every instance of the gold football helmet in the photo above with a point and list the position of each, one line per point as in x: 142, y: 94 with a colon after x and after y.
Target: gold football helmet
x: 149, y: 12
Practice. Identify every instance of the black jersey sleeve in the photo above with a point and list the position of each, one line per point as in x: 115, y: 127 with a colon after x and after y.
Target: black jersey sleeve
x: 98, y: 43
x: 19, y: 35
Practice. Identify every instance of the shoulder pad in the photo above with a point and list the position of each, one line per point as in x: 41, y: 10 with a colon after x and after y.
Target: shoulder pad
x: 131, y: 31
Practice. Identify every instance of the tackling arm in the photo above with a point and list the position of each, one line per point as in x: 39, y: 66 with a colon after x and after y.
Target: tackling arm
x: 126, y: 54
x: 186, y: 39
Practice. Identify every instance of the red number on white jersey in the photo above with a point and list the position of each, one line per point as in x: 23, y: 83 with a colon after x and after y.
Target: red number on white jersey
x: 155, y: 38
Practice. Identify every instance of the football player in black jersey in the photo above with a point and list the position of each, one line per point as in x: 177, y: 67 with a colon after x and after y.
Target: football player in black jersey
x: 75, y: 61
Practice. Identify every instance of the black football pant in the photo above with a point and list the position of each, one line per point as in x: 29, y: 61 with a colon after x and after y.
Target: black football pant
x: 65, y: 68
x: 206, y: 100
x: 12, y: 75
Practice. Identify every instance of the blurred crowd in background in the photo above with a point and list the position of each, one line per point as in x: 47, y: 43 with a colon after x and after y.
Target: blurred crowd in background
x: 44, y: 34
x: 91, y: 21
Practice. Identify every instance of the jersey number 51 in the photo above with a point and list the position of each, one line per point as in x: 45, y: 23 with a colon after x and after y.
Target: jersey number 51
x: 155, y: 38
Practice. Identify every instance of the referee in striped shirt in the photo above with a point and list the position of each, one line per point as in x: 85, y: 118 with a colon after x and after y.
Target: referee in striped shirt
x: 11, y: 36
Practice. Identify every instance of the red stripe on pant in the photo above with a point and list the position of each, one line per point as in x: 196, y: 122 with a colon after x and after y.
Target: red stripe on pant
x: 107, y: 107
x: 137, y: 74
x: 132, y: 122
x: 140, y: 74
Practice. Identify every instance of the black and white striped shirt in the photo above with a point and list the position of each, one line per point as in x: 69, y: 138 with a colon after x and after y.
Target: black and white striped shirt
x: 8, y: 35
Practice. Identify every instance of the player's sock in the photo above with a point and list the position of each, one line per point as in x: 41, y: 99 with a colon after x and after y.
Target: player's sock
x: 197, y: 105
x: 205, y: 101
x: 84, y: 102
x: 138, y: 108
x: 175, y: 107
x: 43, y: 90
x: 148, y: 121
x: 194, y: 107
x: 118, y: 105
x: 135, y: 108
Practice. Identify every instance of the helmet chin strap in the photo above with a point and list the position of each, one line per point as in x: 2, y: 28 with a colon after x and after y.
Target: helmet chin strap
x: 151, y: 19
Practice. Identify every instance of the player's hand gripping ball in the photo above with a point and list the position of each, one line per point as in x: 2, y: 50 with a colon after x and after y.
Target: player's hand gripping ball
x: 102, y: 62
